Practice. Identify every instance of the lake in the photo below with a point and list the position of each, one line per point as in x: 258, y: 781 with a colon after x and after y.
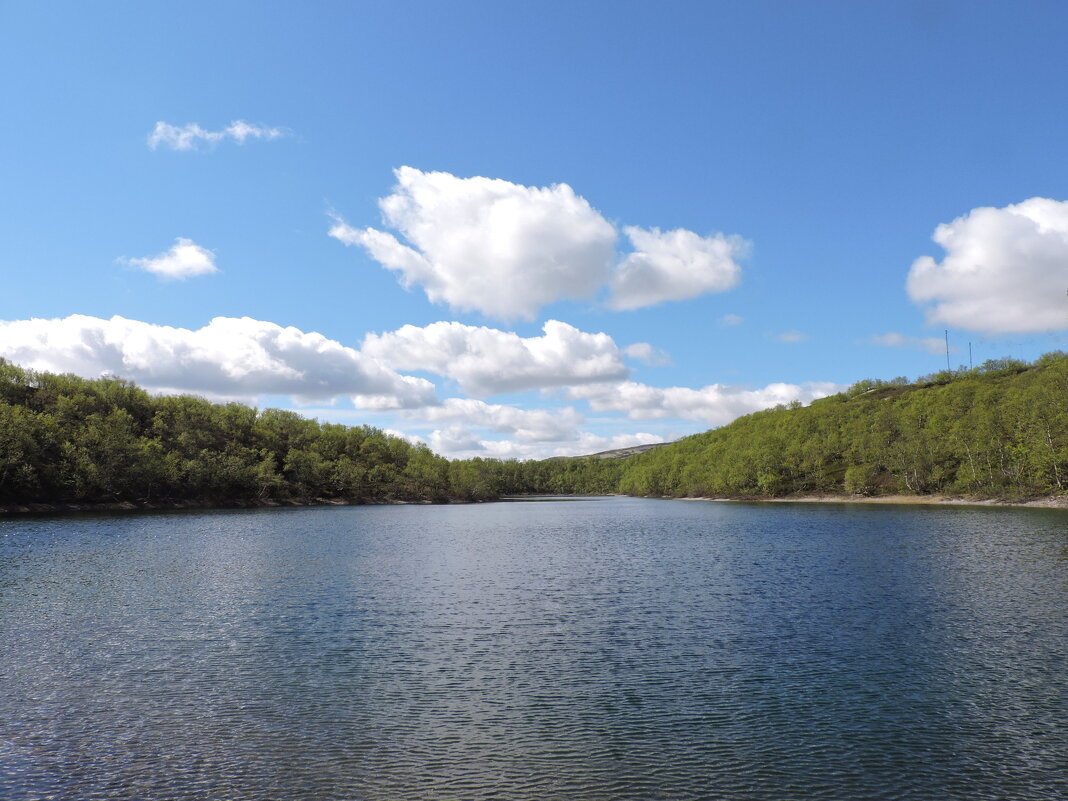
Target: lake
x: 609, y: 648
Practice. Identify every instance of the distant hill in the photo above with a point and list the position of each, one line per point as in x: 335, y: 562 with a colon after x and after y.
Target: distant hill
x: 616, y: 453
x: 623, y: 453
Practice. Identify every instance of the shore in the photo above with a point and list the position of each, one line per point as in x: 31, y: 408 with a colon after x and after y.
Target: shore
x: 165, y: 506
x: 1050, y: 502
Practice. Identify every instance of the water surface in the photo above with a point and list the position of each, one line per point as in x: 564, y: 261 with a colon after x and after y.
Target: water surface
x: 611, y: 649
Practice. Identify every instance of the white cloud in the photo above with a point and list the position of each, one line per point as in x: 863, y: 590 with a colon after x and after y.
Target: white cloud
x: 185, y: 259
x: 792, y: 337
x: 469, y: 427
x: 507, y: 250
x: 240, y: 131
x: 458, y: 442
x: 191, y: 136
x: 229, y: 357
x: 454, y: 440
x: 731, y: 319
x: 527, y: 425
x: 716, y: 404
x: 593, y: 443
x: 1005, y: 269
x: 644, y: 352
x: 415, y: 439
x: 895, y: 340
x: 485, y: 361
x: 487, y: 244
x: 674, y: 265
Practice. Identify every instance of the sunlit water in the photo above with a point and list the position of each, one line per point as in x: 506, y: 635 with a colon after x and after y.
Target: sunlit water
x: 600, y: 649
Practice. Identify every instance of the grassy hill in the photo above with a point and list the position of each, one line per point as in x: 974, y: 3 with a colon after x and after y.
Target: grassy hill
x: 1000, y: 430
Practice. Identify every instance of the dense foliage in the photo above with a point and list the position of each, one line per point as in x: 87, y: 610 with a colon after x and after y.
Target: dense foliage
x: 69, y: 439
x: 1000, y: 430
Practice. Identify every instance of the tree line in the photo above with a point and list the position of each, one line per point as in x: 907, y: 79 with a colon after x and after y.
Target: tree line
x: 65, y: 439
x: 999, y: 430
x: 996, y: 431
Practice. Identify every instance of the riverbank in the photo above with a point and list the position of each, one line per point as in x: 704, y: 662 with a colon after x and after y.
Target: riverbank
x: 165, y: 506
x: 1049, y: 502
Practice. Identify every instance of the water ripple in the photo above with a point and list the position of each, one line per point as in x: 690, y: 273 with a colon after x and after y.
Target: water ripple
x: 619, y: 649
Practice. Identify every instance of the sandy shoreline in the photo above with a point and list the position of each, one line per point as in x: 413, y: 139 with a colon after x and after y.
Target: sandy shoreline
x: 1051, y: 502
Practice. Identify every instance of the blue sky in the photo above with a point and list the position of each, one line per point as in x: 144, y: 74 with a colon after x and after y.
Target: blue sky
x: 749, y: 189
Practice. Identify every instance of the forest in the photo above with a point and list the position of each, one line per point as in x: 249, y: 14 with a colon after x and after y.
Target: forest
x: 65, y: 439
x: 997, y: 431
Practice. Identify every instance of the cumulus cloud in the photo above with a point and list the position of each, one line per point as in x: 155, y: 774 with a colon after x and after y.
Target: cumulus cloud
x: 489, y: 245
x: 527, y: 425
x: 506, y: 250
x: 191, y: 136
x: 674, y: 265
x: 486, y: 361
x: 458, y: 442
x: 792, y: 337
x: 229, y: 357
x: 716, y: 404
x: 895, y: 340
x: 644, y: 352
x: 593, y: 443
x: 731, y: 319
x: 1005, y: 270
x: 415, y: 439
x: 469, y: 427
x: 184, y: 260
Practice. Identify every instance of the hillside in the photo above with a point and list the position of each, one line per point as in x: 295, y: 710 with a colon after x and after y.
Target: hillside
x: 998, y: 431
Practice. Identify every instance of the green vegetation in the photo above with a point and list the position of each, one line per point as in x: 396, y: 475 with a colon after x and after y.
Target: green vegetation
x: 577, y: 476
x: 65, y: 439
x: 998, y: 431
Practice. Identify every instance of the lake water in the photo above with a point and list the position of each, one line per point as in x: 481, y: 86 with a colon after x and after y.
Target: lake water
x: 571, y: 649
